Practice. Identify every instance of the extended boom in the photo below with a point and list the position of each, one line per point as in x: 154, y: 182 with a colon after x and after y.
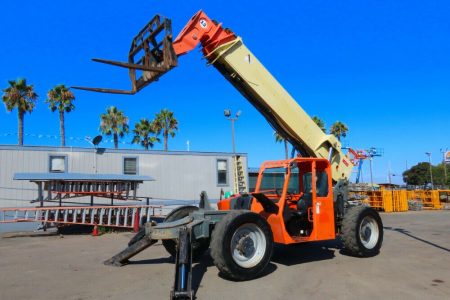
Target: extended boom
x: 228, y: 54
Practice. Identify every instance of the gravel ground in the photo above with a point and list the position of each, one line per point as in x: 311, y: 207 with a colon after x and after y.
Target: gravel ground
x: 414, y: 264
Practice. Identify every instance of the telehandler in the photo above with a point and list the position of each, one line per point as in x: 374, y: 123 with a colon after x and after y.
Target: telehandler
x: 309, y: 205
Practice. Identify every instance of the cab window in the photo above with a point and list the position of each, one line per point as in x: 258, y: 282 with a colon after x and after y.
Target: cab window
x: 321, y: 183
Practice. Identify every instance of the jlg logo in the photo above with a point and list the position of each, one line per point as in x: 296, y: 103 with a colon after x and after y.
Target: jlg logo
x: 203, y: 23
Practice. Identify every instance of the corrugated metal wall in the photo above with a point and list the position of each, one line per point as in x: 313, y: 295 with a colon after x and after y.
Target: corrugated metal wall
x: 178, y: 175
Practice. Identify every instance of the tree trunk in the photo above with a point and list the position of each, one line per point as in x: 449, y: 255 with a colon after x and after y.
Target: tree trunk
x: 20, y: 124
x: 166, y: 137
x: 146, y: 145
x: 286, y: 149
x: 62, y: 130
x: 116, y: 141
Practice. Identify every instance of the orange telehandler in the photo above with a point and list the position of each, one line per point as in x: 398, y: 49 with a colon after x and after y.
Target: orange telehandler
x: 310, y: 202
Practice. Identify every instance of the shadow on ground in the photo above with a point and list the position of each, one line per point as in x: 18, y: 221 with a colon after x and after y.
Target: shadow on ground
x: 287, y: 255
x: 152, y: 261
x: 295, y: 254
x: 408, y: 233
x: 201, y: 268
x: 22, y: 234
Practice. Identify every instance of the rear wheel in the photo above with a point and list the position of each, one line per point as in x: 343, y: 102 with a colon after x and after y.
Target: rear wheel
x: 362, y: 231
x: 199, y: 246
x: 242, y: 245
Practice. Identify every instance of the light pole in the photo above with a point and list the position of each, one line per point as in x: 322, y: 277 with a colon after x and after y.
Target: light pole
x: 390, y: 174
x: 371, y: 174
x: 227, y: 114
x: 444, y: 164
x: 372, y: 152
x: 431, y: 170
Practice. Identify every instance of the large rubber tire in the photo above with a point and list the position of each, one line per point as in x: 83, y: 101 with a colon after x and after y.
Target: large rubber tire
x: 362, y: 231
x: 199, y: 246
x: 241, y: 245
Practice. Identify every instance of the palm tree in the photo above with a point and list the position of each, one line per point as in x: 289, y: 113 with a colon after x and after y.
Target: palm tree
x: 339, y: 129
x: 21, y: 96
x: 167, y: 124
x: 60, y: 98
x: 319, y: 123
x: 142, y: 132
x: 114, y: 123
x: 279, y: 139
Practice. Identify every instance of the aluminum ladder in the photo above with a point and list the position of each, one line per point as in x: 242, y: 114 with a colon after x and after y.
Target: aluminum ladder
x: 108, y: 216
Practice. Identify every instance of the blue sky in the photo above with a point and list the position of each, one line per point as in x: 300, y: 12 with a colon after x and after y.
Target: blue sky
x: 382, y: 67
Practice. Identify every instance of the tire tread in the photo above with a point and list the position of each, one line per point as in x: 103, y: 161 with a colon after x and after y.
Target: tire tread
x: 218, y: 243
x: 350, y: 226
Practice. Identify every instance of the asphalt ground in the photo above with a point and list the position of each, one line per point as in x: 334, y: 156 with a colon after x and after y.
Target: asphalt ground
x: 414, y: 263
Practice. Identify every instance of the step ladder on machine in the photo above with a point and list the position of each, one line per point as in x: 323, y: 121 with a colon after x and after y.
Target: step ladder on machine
x: 240, y: 183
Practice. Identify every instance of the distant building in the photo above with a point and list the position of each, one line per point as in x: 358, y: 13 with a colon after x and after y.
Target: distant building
x: 389, y: 186
x: 179, y: 175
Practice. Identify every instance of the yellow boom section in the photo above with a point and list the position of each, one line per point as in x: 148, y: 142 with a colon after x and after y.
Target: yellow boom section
x: 153, y: 53
x: 251, y: 78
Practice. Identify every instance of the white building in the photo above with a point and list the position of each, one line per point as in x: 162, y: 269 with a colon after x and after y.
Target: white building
x: 178, y: 175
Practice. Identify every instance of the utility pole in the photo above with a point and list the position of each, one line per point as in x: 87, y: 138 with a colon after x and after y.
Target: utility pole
x: 371, y: 174
x: 371, y: 153
x: 431, y: 170
x: 390, y: 173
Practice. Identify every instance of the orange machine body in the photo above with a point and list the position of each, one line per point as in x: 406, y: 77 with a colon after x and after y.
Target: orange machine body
x: 287, y: 194
x: 211, y: 35
x: 201, y: 29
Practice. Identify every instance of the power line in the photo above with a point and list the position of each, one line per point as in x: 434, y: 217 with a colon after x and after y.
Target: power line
x: 57, y: 137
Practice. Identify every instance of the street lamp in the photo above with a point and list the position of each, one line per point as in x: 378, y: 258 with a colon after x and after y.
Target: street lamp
x: 444, y: 164
x: 431, y: 171
x: 227, y: 114
x: 372, y: 152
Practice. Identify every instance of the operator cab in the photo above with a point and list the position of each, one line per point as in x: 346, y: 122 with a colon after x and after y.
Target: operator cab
x: 290, y: 189
x: 295, y: 196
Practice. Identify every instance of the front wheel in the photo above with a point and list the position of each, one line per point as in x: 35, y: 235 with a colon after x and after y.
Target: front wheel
x: 241, y: 245
x: 362, y: 231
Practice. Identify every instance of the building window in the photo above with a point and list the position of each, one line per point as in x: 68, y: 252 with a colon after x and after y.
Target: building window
x: 130, y: 165
x: 57, y: 163
x: 222, y: 172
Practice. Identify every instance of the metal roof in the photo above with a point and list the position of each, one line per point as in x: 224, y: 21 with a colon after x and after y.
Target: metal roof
x: 80, y: 177
x: 125, y: 151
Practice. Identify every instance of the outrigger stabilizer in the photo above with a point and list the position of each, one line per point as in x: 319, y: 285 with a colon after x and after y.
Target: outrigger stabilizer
x: 185, y: 232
